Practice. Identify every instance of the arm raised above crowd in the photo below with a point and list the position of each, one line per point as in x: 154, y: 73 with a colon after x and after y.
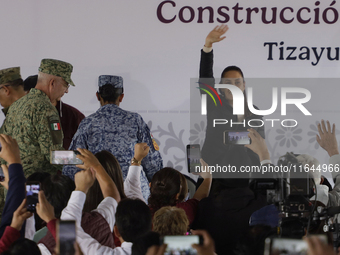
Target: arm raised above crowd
x: 216, y: 35
x: 204, y: 189
x: 107, y: 186
x: 153, y: 161
x: 12, y: 233
x: 16, y: 183
x: 326, y: 138
x: 132, y: 184
x: 258, y: 145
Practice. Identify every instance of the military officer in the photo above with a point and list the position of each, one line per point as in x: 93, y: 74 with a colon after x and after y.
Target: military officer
x: 116, y: 130
x: 34, y: 122
x: 11, y: 87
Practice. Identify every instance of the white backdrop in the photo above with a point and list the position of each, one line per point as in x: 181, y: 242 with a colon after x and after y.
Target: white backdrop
x: 158, y: 59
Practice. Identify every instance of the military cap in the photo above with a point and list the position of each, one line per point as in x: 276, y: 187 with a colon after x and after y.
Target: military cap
x: 9, y: 74
x: 115, y: 81
x: 58, y: 68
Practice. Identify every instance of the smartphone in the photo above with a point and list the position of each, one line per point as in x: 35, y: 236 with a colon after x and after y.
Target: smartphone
x: 181, y: 244
x: 66, y: 236
x: 2, y: 176
x: 32, y: 190
x: 65, y: 158
x: 277, y: 246
x: 193, y: 158
x: 236, y: 137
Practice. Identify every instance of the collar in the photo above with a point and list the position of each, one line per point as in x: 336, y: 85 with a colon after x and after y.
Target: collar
x: 5, y: 110
x: 35, y: 91
x: 126, y: 245
x: 108, y: 107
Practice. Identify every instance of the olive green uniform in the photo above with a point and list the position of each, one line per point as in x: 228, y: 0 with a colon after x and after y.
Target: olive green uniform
x: 34, y: 122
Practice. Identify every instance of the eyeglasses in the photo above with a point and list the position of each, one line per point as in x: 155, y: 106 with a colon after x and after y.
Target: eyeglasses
x: 66, y: 85
x: 4, y: 86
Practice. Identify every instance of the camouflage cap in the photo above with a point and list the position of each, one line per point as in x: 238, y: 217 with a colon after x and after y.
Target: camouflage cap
x: 9, y: 74
x: 115, y: 81
x: 58, y: 68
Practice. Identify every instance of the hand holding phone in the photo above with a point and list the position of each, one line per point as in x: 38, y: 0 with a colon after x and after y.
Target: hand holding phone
x: 231, y: 137
x: 65, y: 158
x: 20, y: 215
x: 89, y: 160
x: 181, y: 244
x: 32, y: 191
x: 258, y: 145
x: 207, y: 244
x: 44, y: 209
x: 193, y: 158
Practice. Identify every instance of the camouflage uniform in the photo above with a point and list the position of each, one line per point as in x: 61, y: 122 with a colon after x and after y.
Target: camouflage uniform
x: 7, y: 75
x: 34, y: 122
x: 117, y: 131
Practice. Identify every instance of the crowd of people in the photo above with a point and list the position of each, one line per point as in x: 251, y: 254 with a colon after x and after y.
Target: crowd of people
x: 121, y: 200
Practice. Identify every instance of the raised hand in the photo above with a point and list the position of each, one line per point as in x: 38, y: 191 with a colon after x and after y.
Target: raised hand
x: 326, y: 138
x: 90, y: 160
x: 208, y: 246
x: 44, y: 209
x: 84, y: 180
x: 20, y: 215
x: 141, y: 150
x: 258, y: 144
x: 216, y: 35
x: 10, y: 149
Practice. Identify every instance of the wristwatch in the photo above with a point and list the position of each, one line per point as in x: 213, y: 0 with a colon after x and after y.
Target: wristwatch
x: 135, y: 161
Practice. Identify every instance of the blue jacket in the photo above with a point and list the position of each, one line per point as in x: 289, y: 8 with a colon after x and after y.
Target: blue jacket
x: 117, y: 131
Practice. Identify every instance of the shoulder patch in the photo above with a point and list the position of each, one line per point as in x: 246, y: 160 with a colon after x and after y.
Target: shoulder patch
x: 55, y: 129
x: 155, y: 145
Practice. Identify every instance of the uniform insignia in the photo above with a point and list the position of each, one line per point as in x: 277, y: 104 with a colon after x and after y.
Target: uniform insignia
x: 155, y: 145
x: 55, y: 126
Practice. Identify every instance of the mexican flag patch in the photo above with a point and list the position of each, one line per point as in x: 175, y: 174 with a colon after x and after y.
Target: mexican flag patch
x: 55, y: 126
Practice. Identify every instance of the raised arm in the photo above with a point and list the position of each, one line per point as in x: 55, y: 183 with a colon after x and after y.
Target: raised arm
x: 258, y: 145
x: 16, y: 183
x: 132, y: 184
x: 216, y: 35
x: 204, y: 189
x: 206, y: 64
x: 106, y: 184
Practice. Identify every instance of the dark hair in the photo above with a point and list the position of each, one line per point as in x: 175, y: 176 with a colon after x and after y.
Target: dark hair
x: 165, y: 185
x: 109, y: 93
x: 232, y: 68
x: 133, y: 219
x: 23, y: 246
x: 58, y: 189
x: 112, y: 167
x: 142, y: 244
x: 237, y: 69
x: 30, y: 82
x: 38, y: 176
x: 184, y: 188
